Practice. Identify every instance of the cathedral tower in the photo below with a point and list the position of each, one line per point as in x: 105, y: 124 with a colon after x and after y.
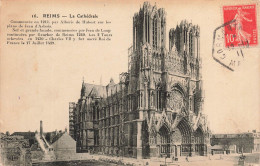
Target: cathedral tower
x: 157, y: 107
x: 149, y: 26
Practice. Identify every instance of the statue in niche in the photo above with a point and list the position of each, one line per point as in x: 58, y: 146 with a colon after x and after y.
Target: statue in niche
x: 152, y: 98
x: 152, y: 137
x: 147, y: 53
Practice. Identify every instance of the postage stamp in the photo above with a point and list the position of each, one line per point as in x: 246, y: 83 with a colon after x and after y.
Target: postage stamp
x: 243, y: 30
x: 238, y: 32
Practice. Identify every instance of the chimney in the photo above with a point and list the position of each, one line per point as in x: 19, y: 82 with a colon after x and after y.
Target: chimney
x: 41, y: 130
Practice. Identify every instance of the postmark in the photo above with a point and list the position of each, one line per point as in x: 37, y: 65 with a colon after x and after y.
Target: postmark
x: 239, y: 32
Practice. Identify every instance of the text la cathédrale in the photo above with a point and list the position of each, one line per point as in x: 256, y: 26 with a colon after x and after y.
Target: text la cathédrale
x: 71, y: 16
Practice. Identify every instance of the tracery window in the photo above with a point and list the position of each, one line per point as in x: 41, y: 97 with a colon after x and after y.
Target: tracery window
x: 190, y: 43
x: 141, y: 99
x: 185, y: 35
x: 175, y: 100
x: 97, y: 113
x: 155, y: 32
x: 158, y: 92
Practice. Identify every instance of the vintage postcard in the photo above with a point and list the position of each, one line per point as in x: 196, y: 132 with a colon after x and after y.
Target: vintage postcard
x: 129, y: 82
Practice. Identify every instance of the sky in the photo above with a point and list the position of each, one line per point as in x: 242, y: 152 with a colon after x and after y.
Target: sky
x: 38, y: 82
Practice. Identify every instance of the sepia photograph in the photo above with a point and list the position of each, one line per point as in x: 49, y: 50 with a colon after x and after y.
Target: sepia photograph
x: 129, y: 83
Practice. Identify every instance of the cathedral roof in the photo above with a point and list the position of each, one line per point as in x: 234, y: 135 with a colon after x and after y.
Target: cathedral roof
x: 94, y: 90
x: 101, y: 91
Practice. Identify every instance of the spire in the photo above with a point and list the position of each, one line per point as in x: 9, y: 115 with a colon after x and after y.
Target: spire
x: 83, y: 88
x: 112, y: 81
x: 83, y: 81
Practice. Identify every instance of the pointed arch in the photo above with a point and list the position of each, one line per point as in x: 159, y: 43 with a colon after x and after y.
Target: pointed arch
x: 177, y: 86
x: 166, y: 126
x: 200, y: 128
x: 165, y: 139
x: 199, y: 141
x: 163, y: 121
x: 185, y: 64
x: 198, y: 131
x: 154, y: 29
x: 185, y: 130
x: 164, y: 129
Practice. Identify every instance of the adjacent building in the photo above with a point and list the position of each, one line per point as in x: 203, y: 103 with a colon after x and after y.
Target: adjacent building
x: 156, y: 109
x: 26, y: 135
x: 64, y: 146
x: 14, y: 150
x: 248, y: 142
x: 51, y: 146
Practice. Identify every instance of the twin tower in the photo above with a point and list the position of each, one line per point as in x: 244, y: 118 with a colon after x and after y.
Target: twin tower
x: 157, y: 107
x: 149, y: 27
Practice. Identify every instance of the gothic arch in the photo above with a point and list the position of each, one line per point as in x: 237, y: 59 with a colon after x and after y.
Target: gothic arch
x: 163, y: 122
x: 177, y: 86
x: 164, y: 129
x: 201, y: 128
x: 185, y: 130
x: 185, y: 64
x: 199, y: 141
x: 199, y: 132
x: 177, y: 98
x: 165, y: 139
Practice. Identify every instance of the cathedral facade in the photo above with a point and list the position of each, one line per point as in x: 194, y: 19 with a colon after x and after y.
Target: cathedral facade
x: 156, y: 109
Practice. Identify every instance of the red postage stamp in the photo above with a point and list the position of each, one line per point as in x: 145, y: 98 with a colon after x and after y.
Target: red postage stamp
x: 242, y: 31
